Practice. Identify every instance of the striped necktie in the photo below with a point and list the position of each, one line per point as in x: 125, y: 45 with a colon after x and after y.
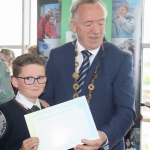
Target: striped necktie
x: 34, y: 108
x: 83, y: 69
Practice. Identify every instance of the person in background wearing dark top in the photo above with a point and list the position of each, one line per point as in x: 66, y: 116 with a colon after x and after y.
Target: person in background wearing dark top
x: 29, y: 77
x: 93, y: 67
x: 32, y: 49
x: 123, y: 24
x: 128, y: 144
x: 41, y: 25
x: 50, y: 31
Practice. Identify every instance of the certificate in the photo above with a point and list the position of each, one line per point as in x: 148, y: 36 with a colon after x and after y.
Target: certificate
x: 62, y: 126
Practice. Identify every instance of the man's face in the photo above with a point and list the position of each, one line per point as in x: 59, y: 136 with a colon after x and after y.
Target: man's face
x: 122, y: 11
x: 31, y: 92
x: 89, y: 25
x: 49, y: 12
x: 57, y: 16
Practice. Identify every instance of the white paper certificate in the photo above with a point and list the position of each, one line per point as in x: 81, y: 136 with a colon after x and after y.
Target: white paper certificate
x: 62, y: 126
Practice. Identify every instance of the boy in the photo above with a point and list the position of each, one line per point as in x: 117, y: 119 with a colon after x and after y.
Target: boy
x: 29, y: 77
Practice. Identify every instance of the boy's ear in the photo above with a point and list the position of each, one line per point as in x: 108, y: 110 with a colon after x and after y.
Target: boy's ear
x: 14, y: 82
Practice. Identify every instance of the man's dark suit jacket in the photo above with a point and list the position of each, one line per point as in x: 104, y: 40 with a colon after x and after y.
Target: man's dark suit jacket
x: 112, y: 103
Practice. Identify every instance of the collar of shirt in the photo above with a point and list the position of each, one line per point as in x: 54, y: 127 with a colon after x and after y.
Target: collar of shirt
x: 79, y: 57
x: 25, y: 103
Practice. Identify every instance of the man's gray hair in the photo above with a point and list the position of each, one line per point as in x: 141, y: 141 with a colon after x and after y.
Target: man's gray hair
x: 77, y: 3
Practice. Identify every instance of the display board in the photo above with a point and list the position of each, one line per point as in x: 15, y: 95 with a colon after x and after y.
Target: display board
x: 54, y: 24
x: 126, y: 34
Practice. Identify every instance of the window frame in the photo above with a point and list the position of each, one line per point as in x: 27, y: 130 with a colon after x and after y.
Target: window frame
x: 26, y: 28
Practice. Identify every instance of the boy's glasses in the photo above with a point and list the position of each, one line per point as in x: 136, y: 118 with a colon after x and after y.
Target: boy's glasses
x: 31, y: 80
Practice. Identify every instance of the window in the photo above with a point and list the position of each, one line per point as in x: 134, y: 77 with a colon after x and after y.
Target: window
x: 146, y: 59
x: 145, y: 111
x: 18, y: 24
x: 11, y: 22
x: 33, y: 33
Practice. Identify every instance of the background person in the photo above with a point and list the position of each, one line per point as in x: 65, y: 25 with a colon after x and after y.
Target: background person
x: 50, y: 31
x: 128, y: 144
x: 58, y: 23
x: 32, y: 49
x: 29, y: 77
x: 108, y: 84
x: 41, y: 25
x: 123, y: 25
x: 6, y: 90
x: 7, y: 55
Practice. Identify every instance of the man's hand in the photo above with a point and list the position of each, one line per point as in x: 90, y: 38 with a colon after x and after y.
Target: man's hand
x: 92, y: 144
x: 44, y: 104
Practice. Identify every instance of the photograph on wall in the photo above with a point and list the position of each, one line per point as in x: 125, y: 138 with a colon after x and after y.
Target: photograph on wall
x: 48, y: 27
x: 125, y: 18
x: 125, y: 44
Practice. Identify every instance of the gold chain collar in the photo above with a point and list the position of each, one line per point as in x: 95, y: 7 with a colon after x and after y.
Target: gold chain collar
x: 75, y: 75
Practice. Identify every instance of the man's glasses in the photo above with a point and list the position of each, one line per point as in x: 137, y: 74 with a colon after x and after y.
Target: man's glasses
x: 31, y: 80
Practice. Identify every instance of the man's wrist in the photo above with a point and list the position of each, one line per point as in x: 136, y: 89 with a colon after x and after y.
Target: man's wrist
x: 104, y: 140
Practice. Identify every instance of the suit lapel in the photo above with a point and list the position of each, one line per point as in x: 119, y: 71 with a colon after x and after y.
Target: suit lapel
x: 70, y: 65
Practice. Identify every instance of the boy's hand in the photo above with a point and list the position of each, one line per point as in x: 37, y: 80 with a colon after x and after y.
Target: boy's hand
x: 30, y: 144
x: 44, y: 104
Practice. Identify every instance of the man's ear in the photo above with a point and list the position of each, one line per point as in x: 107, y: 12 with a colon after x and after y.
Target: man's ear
x: 14, y: 82
x: 73, y: 26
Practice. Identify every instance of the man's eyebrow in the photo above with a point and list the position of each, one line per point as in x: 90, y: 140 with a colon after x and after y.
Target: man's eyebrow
x: 98, y: 20
x: 102, y: 19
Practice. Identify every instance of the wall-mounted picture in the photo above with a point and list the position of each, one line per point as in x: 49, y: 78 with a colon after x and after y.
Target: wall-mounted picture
x: 49, y: 28
x: 125, y: 18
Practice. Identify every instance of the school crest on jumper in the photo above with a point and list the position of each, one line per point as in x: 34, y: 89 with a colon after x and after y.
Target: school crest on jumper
x: 3, y: 124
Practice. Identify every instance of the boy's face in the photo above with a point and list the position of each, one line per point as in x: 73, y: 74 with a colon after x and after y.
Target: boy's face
x: 31, y: 92
x: 122, y: 11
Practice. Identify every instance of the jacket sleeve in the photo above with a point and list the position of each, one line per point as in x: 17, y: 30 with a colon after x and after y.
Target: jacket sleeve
x: 48, y: 94
x: 128, y: 26
x: 48, y: 30
x: 124, y: 102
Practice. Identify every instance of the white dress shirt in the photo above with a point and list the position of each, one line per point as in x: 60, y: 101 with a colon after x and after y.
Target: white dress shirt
x: 79, y: 57
x: 26, y: 103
